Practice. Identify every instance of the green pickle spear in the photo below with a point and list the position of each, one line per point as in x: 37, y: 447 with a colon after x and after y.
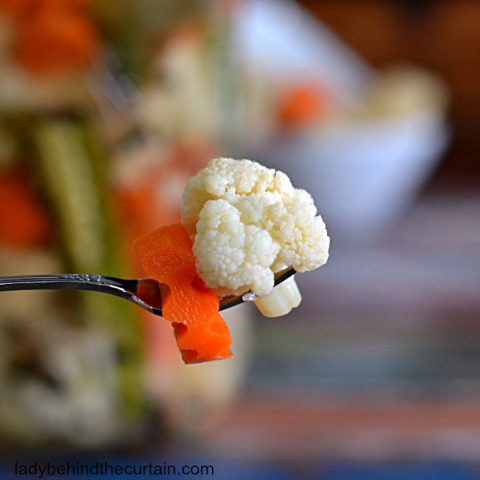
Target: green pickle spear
x: 75, y: 180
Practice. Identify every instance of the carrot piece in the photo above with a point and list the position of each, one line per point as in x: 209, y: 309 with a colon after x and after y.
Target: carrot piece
x: 24, y: 9
x: 166, y: 256
x: 55, y: 41
x: 23, y: 221
x: 15, y: 8
x: 301, y: 104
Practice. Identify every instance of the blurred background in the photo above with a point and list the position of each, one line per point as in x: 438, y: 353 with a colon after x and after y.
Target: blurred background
x: 108, y: 107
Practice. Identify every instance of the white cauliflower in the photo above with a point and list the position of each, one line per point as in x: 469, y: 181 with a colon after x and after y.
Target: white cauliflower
x: 247, y: 223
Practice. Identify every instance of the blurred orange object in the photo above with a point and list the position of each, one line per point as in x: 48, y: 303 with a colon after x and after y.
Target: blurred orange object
x: 302, y: 103
x: 160, y: 186
x: 23, y: 221
x: 52, y: 35
x: 23, y: 9
x: 57, y: 41
x: 166, y: 255
x: 16, y: 8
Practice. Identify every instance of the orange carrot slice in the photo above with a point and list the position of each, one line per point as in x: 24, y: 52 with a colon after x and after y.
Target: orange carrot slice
x: 166, y: 256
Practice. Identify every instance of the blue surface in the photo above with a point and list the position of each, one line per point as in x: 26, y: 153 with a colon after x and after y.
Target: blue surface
x: 262, y: 471
x: 222, y: 470
x: 399, y: 471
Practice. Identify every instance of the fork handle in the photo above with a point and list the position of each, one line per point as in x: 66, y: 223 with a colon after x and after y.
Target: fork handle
x: 69, y: 281
x: 119, y: 287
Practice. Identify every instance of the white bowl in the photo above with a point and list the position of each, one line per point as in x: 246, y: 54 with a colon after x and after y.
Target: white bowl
x: 362, y: 174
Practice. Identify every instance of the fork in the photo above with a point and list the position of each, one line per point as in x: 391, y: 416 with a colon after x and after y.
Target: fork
x: 143, y: 292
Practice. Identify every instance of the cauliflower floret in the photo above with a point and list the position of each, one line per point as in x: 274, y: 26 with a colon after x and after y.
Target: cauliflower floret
x: 247, y: 223
x: 233, y: 256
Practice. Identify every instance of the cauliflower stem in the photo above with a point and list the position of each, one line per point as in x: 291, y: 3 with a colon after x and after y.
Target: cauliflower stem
x: 281, y: 300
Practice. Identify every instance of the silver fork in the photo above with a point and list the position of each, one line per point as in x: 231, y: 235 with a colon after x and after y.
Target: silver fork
x: 128, y: 289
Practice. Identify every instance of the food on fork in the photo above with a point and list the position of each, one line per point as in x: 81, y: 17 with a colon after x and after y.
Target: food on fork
x: 201, y: 333
x: 243, y: 223
x: 247, y: 223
